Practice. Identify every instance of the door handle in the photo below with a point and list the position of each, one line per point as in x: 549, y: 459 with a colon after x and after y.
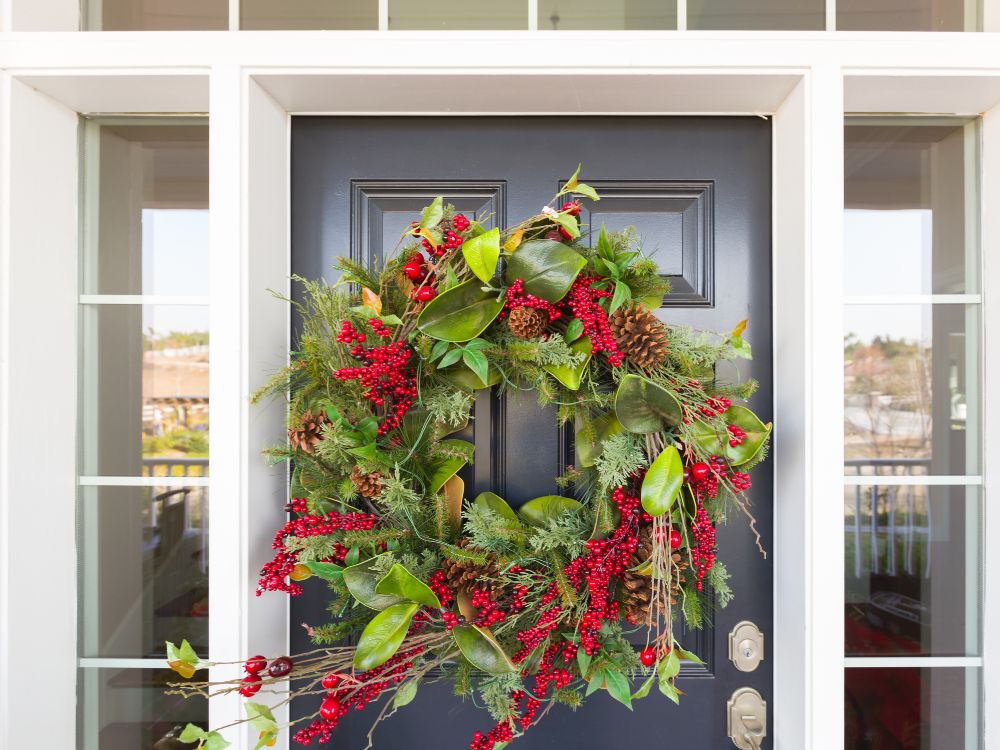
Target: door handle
x: 747, y: 719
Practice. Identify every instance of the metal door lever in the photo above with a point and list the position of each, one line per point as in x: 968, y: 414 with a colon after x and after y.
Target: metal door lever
x: 747, y: 719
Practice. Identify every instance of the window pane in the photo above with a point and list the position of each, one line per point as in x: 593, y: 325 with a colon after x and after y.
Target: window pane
x: 127, y: 709
x: 556, y: 15
x: 912, y: 709
x: 309, y: 14
x: 163, y: 15
x: 146, y: 218
x: 906, y: 15
x: 143, y: 570
x: 144, y: 390
x: 471, y: 14
x: 911, y: 383
x: 756, y: 14
x: 910, y: 195
x: 912, y: 562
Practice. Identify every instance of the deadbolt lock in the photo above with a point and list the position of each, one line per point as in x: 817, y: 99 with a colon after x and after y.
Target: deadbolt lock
x: 746, y: 646
x: 747, y: 719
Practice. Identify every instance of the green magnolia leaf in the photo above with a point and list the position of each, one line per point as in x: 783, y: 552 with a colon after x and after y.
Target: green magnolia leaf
x: 383, y: 636
x: 622, y: 295
x: 589, y: 443
x: 464, y: 378
x: 644, y: 688
x: 481, y: 254
x: 498, y: 505
x: 260, y: 717
x: 326, y: 570
x: 361, y: 581
x: 406, y: 693
x: 460, y: 314
x: 574, y: 330
x: 432, y: 214
x: 669, y: 666
x: 441, y: 469
x: 572, y: 376
x: 642, y: 406
x: 192, y: 733
x: 618, y: 687
x: 482, y: 650
x: 401, y: 582
x: 476, y: 361
x: 537, y: 512
x: 450, y: 358
x: 713, y: 443
x: 568, y: 222
x: 548, y: 268
x: 663, y: 482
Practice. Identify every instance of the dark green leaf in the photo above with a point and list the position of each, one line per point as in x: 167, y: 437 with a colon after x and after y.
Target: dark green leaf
x: 467, y: 380
x: 401, y: 582
x: 590, y: 438
x: 663, y: 482
x: 326, y: 570
x: 537, y: 512
x: 442, y: 468
x: 361, y: 581
x: 482, y: 650
x: 572, y: 376
x: 498, y: 505
x: 574, y: 330
x: 642, y: 406
x: 618, y: 687
x: 548, y: 268
x: 604, y: 247
x: 432, y: 214
x: 353, y: 556
x: 481, y: 254
x: 622, y: 295
x: 460, y: 314
x: 382, y: 636
x: 450, y: 358
x: 476, y: 361
x: 605, y: 267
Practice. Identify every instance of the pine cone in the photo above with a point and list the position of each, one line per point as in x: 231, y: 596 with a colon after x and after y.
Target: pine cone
x: 369, y: 485
x: 637, y: 589
x: 304, y: 438
x: 527, y: 322
x: 640, y: 336
x: 465, y: 576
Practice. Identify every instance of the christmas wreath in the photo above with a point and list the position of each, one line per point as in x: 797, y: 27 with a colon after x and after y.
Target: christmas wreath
x: 524, y: 607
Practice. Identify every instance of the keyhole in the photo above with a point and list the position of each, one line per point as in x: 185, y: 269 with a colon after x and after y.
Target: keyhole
x: 748, y: 652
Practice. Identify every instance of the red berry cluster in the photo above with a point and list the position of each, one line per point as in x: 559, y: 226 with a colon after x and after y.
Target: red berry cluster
x: 736, y: 435
x: 741, y: 481
x: 460, y: 222
x: 388, y: 381
x: 438, y: 583
x: 365, y: 688
x: 712, y: 407
x: 703, y: 532
x: 488, y: 613
x: 582, y: 301
x: 517, y: 298
x: 704, y: 478
x: 531, y: 638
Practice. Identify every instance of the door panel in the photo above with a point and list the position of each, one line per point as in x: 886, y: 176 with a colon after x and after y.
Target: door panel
x: 697, y: 190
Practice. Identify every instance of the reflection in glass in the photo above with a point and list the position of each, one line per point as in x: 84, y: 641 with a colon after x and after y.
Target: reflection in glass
x: 146, y: 221
x: 156, y: 15
x: 144, y: 397
x: 560, y: 15
x: 910, y: 224
x: 912, y: 567
x: 907, y: 15
x: 143, y: 569
x: 309, y: 14
x: 128, y: 709
x: 471, y: 14
x: 912, y: 709
x: 911, y: 387
x: 756, y: 14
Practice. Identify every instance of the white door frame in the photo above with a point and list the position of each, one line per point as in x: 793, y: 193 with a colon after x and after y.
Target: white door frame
x: 250, y: 84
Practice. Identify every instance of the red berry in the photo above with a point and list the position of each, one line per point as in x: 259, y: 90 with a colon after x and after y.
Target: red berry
x: 255, y: 664
x: 572, y: 208
x: 331, y: 681
x: 426, y: 293
x: 565, y: 235
x: 414, y: 269
x: 280, y: 667
x: 675, y: 539
x: 648, y: 656
x: 699, y: 472
x: 330, y: 708
x: 250, y: 686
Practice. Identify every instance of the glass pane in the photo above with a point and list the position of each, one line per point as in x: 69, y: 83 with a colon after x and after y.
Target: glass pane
x: 127, y: 709
x: 556, y: 15
x: 910, y: 224
x: 911, y: 384
x: 143, y: 570
x: 471, y: 14
x: 912, y: 562
x: 912, y: 709
x: 144, y: 390
x: 907, y: 15
x: 146, y: 209
x: 308, y: 14
x: 162, y: 15
x: 756, y: 14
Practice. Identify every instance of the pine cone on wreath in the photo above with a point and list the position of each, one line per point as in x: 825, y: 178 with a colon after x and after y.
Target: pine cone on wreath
x: 527, y: 322
x: 463, y: 576
x: 305, y: 437
x: 369, y: 485
x: 637, y: 589
x: 640, y: 335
